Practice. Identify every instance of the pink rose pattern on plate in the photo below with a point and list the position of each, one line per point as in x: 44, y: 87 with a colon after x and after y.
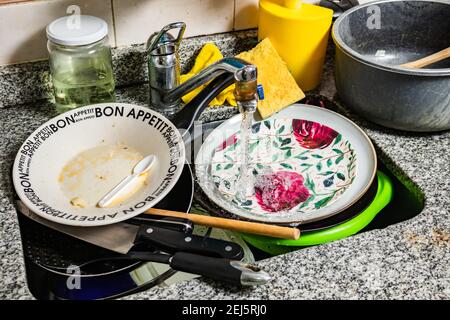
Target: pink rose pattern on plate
x: 313, y: 135
x: 297, y: 165
x: 281, y: 190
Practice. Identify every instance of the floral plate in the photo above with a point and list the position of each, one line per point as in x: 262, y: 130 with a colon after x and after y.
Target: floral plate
x: 305, y: 163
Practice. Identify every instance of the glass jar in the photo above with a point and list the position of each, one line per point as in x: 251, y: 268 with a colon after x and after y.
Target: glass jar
x: 80, y: 62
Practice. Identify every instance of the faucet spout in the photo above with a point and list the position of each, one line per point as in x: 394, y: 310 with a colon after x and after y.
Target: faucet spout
x: 246, y: 89
x: 226, y: 65
x: 224, y: 73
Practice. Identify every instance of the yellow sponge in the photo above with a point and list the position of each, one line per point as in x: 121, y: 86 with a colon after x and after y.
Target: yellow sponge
x: 280, y: 88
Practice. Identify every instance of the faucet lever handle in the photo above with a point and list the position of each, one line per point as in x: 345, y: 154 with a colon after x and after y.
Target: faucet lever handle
x: 153, y: 40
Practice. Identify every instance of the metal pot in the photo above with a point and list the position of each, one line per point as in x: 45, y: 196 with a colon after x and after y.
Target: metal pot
x: 372, y: 40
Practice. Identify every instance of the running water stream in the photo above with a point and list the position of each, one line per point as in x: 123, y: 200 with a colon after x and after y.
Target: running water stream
x: 247, y: 101
x: 246, y: 179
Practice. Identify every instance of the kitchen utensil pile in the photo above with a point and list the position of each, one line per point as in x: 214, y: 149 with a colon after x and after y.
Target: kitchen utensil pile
x: 310, y: 173
x: 168, y: 240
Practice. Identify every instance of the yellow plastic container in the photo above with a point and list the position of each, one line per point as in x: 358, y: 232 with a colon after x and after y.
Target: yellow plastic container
x: 299, y: 32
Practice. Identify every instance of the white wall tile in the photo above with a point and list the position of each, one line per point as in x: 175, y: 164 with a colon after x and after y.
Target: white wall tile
x: 136, y: 20
x: 22, y: 26
x: 246, y: 14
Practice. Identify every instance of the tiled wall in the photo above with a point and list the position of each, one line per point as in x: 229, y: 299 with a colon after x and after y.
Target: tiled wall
x: 22, y: 25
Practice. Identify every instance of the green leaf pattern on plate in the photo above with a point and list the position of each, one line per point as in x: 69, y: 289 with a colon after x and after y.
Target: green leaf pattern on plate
x: 327, y: 172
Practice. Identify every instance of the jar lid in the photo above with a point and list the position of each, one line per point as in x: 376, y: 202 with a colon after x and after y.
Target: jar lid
x: 77, y: 30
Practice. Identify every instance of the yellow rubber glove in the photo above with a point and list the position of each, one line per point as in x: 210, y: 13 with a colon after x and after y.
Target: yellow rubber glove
x: 207, y: 56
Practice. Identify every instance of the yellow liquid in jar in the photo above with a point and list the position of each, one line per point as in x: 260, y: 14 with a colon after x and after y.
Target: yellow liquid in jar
x: 89, y: 86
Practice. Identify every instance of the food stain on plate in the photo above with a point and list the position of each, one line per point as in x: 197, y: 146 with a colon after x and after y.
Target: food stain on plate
x: 90, y: 175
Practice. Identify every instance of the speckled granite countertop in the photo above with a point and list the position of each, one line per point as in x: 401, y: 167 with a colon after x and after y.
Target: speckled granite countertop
x: 409, y: 260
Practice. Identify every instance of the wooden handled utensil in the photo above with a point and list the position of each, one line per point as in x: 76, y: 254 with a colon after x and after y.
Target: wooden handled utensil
x: 231, y: 224
x: 438, y: 56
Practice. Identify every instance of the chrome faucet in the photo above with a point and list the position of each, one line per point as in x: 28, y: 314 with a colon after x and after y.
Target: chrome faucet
x: 166, y: 90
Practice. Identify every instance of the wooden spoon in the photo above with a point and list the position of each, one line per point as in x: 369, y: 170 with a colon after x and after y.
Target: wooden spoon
x: 231, y: 224
x: 438, y: 56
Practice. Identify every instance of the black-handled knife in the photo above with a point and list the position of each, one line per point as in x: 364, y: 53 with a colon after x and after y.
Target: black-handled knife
x: 171, y: 223
x: 172, y: 241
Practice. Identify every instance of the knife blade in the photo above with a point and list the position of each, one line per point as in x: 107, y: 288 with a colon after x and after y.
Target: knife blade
x: 115, y: 237
x: 122, y: 237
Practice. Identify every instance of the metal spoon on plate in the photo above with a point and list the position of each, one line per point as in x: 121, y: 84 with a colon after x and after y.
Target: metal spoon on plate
x: 140, y: 168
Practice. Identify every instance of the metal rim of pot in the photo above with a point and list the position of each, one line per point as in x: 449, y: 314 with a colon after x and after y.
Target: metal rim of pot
x: 339, y: 42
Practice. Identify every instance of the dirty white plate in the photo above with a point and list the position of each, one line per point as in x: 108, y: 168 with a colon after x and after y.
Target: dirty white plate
x: 306, y: 163
x: 69, y: 163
